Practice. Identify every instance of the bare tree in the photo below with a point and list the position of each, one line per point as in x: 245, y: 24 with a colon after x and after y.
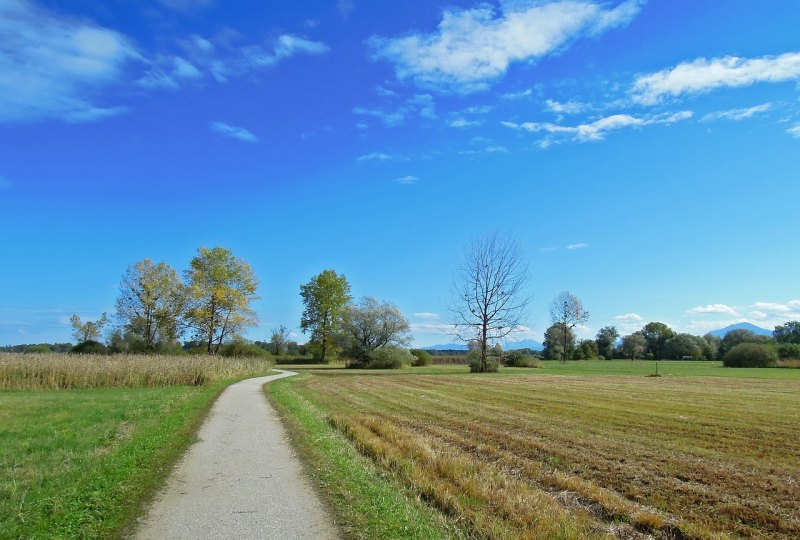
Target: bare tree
x: 567, y: 311
x: 488, y: 298
x: 280, y: 336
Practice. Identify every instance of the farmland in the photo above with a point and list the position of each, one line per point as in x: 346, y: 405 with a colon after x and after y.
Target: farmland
x: 533, y: 456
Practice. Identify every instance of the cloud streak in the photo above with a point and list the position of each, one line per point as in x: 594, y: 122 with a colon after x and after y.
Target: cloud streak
x: 474, y: 47
x: 233, y: 132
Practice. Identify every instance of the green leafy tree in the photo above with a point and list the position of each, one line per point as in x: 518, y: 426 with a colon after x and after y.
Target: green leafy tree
x: 711, y: 347
x: 325, y: 298
x: 370, y: 325
x: 567, y: 310
x: 683, y: 345
x: 606, y: 338
x: 634, y: 345
x: 220, y: 291
x: 89, y: 330
x: 586, y: 350
x: 787, y: 333
x: 656, y: 334
x: 151, y: 302
x: 555, y: 341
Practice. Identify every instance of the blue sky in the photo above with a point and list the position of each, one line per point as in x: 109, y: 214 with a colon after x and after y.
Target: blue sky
x: 645, y: 153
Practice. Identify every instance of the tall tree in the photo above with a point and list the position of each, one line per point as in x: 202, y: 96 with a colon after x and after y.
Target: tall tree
x: 634, y: 345
x: 220, y: 290
x: 370, y: 325
x: 557, y: 340
x: 787, y: 333
x: 606, y: 338
x: 568, y: 311
x: 151, y: 302
x: 89, y: 330
x: 488, y: 292
x: 656, y: 334
x: 325, y: 297
x: 278, y: 340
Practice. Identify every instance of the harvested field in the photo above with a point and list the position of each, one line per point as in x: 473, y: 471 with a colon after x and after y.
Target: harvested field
x: 575, y: 457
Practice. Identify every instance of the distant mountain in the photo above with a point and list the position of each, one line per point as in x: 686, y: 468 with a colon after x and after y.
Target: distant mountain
x: 741, y: 326
x: 509, y: 346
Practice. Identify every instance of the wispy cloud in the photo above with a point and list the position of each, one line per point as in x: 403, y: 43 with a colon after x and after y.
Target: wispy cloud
x: 794, y: 131
x: 737, y: 114
x: 717, y: 309
x: 407, y: 180
x: 567, y: 107
x: 233, y: 132
x: 427, y: 315
x: 50, y: 65
x: 703, y: 75
x: 517, y: 95
x: 422, y: 105
x: 376, y: 156
x: 577, y: 246
x: 473, y: 47
x: 597, y: 130
x: 463, y: 123
x: 345, y: 7
x: 629, y: 317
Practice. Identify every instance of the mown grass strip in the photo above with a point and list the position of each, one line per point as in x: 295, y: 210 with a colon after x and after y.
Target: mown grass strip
x: 84, y: 463
x: 368, y: 503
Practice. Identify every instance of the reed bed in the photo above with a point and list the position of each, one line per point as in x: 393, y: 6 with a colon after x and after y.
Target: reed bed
x: 529, y: 457
x: 64, y: 371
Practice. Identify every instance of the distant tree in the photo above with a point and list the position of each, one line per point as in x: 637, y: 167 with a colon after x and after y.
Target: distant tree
x: 656, y: 334
x: 606, y: 338
x: 567, y: 310
x: 325, y: 297
x: 151, y: 302
x: 586, y: 350
x: 278, y: 340
x: 788, y: 332
x: 220, y: 291
x: 488, y: 293
x: 369, y: 325
x: 634, y: 345
x: 681, y: 345
x: 89, y: 330
x: 739, y: 336
x: 711, y: 347
x: 555, y: 342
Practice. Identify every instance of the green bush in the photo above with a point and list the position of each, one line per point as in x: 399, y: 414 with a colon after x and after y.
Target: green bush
x: 89, y: 347
x: 789, y: 350
x: 421, y: 358
x: 518, y: 359
x: 492, y: 362
x: 387, y: 358
x: 750, y: 355
x: 240, y: 348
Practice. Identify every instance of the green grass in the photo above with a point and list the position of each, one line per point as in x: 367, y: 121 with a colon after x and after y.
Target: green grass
x: 368, y: 503
x: 81, y: 463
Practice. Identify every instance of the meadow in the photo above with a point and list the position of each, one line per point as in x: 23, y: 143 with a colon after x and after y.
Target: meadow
x: 85, y: 441
x: 598, y: 451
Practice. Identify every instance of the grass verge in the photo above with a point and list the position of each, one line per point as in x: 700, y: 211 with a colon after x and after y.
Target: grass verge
x: 367, y: 502
x: 83, y: 463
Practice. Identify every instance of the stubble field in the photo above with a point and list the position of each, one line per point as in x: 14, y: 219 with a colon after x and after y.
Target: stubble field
x: 531, y: 456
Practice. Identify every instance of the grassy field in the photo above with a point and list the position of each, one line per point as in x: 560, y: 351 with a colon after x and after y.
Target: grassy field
x: 599, y: 450
x: 80, y: 463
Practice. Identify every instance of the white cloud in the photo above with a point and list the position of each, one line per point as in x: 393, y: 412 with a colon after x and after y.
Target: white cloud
x: 5, y: 183
x: 794, y: 131
x: 774, y: 309
x: 568, y: 107
x: 170, y: 73
x: 375, y: 156
x: 737, y: 114
x: 597, y: 130
x: 233, y: 132
x: 718, y: 309
x: 703, y: 75
x: 463, y: 122
x: 421, y: 105
x: 441, y: 328
x: 51, y: 67
x: 426, y: 315
x: 407, y: 180
x: 517, y: 95
x: 577, y: 246
x: 629, y: 317
x: 496, y: 150
x: 473, y: 47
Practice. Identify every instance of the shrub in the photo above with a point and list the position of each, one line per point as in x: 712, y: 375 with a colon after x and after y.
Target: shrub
x: 421, y: 358
x: 387, y: 358
x: 492, y: 363
x: 750, y: 355
x: 242, y: 349
x: 89, y: 347
x: 789, y: 350
x: 518, y: 359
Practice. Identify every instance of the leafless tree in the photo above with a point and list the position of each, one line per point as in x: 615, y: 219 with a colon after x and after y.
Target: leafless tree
x: 567, y: 311
x: 278, y: 339
x: 488, y: 292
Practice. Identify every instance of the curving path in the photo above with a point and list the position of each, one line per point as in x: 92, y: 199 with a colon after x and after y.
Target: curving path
x: 240, y: 480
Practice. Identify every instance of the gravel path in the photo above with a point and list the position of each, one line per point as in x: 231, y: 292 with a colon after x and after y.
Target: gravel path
x: 240, y: 480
